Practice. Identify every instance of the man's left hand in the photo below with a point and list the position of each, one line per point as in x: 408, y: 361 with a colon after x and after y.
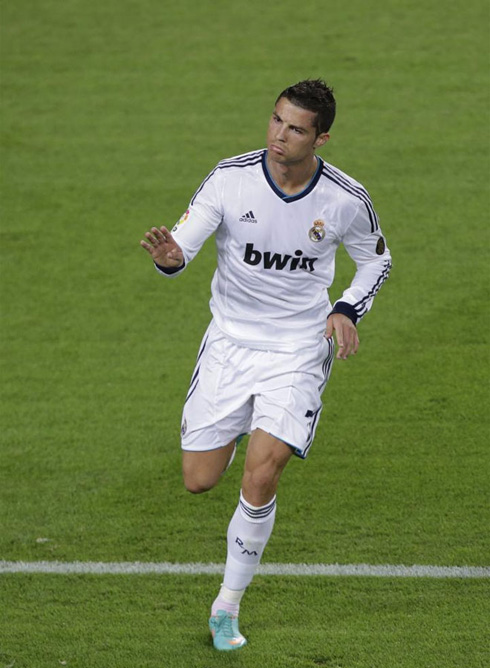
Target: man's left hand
x: 345, y: 333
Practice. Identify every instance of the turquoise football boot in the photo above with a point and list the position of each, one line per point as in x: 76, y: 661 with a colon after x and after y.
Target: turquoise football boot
x: 224, y: 629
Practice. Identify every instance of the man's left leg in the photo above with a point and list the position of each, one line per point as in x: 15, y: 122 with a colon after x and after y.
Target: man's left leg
x: 248, y: 533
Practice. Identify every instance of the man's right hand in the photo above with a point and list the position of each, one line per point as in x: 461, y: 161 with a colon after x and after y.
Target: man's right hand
x: 163, y: 249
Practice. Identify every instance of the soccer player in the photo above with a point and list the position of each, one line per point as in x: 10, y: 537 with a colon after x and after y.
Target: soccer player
x: 278, y: 215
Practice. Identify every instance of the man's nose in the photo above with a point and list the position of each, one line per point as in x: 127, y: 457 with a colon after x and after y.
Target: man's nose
x: 281, y: 133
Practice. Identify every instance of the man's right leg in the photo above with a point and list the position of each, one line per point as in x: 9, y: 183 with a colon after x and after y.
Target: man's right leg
x: 202, y: 470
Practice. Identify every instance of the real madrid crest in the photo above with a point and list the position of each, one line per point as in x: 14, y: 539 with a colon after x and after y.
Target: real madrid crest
x: 317, y: 232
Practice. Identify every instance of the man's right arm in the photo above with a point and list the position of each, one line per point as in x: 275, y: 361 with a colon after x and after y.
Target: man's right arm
x: 172, y: 251
x: 164, y: 250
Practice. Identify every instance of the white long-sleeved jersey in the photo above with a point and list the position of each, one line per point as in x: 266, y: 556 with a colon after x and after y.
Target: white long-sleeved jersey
x: 276, y: 253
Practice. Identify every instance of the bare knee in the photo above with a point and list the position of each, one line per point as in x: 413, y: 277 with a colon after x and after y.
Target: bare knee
x: 195, y: 484
x: 197, y: 480
x: 266, y: 459
x: 258, y: 478
x: 202, y: 470
x: 259, y: 485
x: 196, y: 488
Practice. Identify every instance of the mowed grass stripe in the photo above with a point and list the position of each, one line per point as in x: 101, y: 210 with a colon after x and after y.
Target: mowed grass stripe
x: 197, y: 568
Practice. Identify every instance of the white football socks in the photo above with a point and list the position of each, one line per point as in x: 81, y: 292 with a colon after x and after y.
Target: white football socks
x: 248, y: 533
x: 227, y: 599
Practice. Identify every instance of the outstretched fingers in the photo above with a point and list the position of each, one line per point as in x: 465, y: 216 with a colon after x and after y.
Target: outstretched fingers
x: 155, y: 237
x: 162, y: 247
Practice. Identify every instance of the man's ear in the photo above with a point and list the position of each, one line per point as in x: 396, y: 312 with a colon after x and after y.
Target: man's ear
x: 321, y: 139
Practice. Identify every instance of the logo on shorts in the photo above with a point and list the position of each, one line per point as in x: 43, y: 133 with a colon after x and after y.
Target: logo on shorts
x: 317, y: 232
x: 183, y: 429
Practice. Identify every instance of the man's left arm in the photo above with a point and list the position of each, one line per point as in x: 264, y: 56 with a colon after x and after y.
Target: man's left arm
x: 366, y: 245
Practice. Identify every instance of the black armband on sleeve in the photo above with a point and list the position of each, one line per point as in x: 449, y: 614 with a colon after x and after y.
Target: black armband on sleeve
x: 169, y: 270
x: 345, y: 309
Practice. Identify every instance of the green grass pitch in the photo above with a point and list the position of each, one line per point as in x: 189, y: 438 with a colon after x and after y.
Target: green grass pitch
x: 111, y: 115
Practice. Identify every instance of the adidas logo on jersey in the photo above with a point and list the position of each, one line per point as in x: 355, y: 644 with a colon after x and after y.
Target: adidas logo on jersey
x: 248, y: 218
x: 277, y: 261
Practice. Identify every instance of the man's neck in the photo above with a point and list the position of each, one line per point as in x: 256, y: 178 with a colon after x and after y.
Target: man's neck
x: 292, y: 178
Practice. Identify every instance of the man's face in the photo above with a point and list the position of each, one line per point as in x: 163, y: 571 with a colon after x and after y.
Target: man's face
x: 291, y: 136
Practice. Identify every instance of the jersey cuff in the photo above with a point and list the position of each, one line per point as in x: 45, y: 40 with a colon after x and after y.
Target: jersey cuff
x: 345, y: 309
x: 169, y: 270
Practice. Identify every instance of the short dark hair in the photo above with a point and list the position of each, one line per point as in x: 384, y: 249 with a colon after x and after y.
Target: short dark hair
x: 313, y: 95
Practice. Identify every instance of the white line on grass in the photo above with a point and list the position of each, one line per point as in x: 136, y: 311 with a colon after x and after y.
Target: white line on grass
x: 146, y: 568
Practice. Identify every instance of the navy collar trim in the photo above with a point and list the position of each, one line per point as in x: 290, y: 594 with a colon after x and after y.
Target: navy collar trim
x: 280, y: 193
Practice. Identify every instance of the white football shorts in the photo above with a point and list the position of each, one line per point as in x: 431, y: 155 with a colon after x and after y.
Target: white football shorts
x: 235, y: 390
